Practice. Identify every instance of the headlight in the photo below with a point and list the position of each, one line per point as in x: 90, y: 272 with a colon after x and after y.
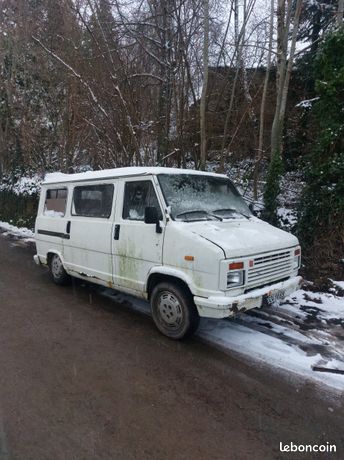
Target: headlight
x: 235, y: 278
x: 297, y: 262
x: 297, y: 259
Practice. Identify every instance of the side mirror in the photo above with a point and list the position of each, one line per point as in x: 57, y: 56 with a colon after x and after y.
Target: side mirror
x: 152, y: 217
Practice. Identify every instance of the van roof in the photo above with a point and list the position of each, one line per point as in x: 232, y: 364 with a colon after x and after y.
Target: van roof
x: 58, y: 177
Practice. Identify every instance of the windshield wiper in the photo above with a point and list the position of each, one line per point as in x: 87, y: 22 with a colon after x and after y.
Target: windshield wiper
x: 230, y: 210
x: 198, y: 211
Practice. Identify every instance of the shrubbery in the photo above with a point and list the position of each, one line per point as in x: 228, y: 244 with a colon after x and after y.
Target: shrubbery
x: 321, y: 215
x: 19, y: 196
x: 19, y: 210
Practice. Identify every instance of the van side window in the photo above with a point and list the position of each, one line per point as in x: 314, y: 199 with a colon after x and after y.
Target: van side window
x: 55, y: 202
x: 93, y: 200
x: 137, y: 196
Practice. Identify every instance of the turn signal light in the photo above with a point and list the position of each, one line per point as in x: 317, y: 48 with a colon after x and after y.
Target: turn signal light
x: 297, y: 252
x: 189, y: 258
x: 236, y: 266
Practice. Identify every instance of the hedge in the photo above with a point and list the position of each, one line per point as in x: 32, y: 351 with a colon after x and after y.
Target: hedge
x: 19, y: 210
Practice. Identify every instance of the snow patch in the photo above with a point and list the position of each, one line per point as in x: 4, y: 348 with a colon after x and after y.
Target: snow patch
x: 22, y: 232
x: 24, y: 186
x: 339, y: 284
x: 118, y: 172
x: 279, y: 337
x: 307, y: 103
x: 52, y: 213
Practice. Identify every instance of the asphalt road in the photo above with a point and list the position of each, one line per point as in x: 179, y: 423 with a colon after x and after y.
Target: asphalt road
x: 83, y: 378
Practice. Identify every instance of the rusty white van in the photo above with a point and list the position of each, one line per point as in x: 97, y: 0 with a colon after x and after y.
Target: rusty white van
x: 184, y: 240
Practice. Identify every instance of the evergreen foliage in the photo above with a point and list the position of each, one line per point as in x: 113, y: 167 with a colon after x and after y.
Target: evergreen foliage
x: 317, y: 17
x: 19, y: 210
x: 321, y: 215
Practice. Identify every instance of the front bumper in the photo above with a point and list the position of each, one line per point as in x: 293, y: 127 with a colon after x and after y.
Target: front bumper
x: 224, y: 307
x: 37, y: 259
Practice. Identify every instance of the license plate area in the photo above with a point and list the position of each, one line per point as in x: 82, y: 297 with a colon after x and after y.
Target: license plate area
x: 273, y: 297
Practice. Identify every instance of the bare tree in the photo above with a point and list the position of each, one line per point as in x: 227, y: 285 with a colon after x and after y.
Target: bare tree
x: 259, y: 151
x: 340, y: 13
x: 237, y: 57
x: 284, y: 67
x: 120, y: 83
x: 205, y: 84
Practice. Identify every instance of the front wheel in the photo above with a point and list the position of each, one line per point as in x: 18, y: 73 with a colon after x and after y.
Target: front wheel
x: 173, y: 311
x: 57, y: 271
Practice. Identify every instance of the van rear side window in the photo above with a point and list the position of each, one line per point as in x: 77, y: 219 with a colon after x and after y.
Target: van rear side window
x: 55, y: 202
x: 93, y: 200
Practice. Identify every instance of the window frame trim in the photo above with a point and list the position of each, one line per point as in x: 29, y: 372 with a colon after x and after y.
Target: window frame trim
x: 126, y: 180
x: 235, y: 189
x: 93, y: 185
x: 66, y: 202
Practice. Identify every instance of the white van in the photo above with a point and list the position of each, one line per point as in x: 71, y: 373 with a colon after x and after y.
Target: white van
x: 184, y: 240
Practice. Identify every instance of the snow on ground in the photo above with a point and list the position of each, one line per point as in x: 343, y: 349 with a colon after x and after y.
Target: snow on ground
x: 339, y: 284
x: 291, y: 187
x: 22, y: 232
x: 305, y: 332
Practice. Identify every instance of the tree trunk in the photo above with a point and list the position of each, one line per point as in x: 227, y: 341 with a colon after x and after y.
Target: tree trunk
x: 165, y: 87
x: 289, y: 68
x: 203, y: 104
x: 340, y: 13
x: 259, y: 152
x: 272, y: 187
x: 251, y: 113
x: 283, y: 69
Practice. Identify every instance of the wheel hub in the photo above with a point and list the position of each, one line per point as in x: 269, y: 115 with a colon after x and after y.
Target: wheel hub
x: 56, y: 266
x: 169, y: 309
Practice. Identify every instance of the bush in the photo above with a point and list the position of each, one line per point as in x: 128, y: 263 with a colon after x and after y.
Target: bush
x: 321, y: 214
x: 19, y: 210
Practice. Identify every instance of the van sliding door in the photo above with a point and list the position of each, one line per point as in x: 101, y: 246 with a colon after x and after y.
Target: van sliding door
x: 88, y: 250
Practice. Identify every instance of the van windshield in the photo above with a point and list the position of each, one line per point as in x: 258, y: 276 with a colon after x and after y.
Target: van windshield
x: 194, y: 197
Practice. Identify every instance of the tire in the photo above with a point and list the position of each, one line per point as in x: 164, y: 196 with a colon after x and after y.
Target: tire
x: 57, y: 271
x: 173, y: 311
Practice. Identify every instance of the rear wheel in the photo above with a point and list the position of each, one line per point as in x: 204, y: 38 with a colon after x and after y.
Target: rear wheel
x: 57, y: 271
x: 173, y: 311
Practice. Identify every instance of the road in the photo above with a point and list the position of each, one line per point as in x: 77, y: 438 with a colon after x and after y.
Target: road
x: 83, y: 378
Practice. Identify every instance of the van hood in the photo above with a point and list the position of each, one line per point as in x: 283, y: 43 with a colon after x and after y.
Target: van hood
x: 241, y: 238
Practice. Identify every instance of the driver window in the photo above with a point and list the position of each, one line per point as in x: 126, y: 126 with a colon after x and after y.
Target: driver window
x: 137, y: 196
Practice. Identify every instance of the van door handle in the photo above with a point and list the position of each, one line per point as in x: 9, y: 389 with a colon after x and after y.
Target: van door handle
x: 68, y: 227
x: 116, y: 234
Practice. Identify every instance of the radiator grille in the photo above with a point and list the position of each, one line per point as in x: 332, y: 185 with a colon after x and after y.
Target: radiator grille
x: 269, y: 267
